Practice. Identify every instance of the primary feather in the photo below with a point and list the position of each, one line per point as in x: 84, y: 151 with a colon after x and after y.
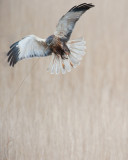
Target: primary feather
x: 67, y: 22
x: 30, y: 46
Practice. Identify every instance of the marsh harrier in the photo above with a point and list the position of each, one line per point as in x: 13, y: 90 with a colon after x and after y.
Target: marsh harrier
x: 65, y: 54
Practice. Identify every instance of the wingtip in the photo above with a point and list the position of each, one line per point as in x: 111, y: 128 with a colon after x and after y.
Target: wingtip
x: 91, y: 5
x: 13, y: 55
x: 82, y: 7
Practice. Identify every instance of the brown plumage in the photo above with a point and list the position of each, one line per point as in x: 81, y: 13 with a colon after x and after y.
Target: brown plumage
x: 59, y: 47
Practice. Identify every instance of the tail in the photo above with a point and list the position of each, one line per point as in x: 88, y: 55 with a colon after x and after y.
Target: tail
x: 77, y: 50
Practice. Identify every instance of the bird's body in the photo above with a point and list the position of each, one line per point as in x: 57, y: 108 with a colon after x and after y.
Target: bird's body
x: 66, y: 54
x: 58, y: 46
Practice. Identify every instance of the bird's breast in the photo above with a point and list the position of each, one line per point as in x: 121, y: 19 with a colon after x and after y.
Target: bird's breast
x: 57, y: 46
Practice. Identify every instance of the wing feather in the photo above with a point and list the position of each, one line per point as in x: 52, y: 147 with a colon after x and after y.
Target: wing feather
x: 30, y: 46
x: 67, y: 22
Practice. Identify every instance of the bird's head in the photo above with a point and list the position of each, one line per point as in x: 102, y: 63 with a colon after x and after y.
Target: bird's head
x: 49, y: 40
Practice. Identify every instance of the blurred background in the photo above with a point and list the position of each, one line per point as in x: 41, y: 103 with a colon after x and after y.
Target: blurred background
x: 82, y: 115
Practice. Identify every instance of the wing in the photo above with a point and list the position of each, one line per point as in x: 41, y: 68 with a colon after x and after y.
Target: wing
x: 30, y: 46
x: 67, y: 22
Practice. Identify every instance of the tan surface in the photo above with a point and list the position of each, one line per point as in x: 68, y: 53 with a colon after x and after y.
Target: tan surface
x: 80, y: 116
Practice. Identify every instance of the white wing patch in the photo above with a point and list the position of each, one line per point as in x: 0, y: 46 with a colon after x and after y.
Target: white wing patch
x: 30, y: 46
x: 77, y: 50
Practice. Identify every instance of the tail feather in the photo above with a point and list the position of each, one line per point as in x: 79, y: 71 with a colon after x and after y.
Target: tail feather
x: 76, y: 56
x: 67, y: 65
x: 77, y: 50
x: 78, y: 47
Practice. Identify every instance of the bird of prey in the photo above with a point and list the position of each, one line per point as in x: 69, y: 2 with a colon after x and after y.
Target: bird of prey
x: 65, y: 54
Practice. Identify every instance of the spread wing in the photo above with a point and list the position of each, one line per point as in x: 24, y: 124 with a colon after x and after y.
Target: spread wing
x: 67, y: 22
x: 30, y: 46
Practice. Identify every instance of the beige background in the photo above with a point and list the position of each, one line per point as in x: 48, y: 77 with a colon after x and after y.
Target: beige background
x: 82, y: 115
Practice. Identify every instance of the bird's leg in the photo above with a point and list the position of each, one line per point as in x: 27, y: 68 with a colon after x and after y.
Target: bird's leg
x: 66, y: 49
x: 63, y: 65
x: 71, y: 64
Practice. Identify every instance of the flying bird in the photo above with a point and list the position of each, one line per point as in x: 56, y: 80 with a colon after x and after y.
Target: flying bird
x: 66, y: 54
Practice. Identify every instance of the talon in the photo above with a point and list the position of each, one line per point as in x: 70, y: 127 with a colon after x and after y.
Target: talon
x: 63, y: 66
x: 71, y: 64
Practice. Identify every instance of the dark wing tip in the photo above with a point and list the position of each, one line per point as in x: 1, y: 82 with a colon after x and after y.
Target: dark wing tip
x: 14, y: 44
x: 82, y: 7
x: 13, y: 54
